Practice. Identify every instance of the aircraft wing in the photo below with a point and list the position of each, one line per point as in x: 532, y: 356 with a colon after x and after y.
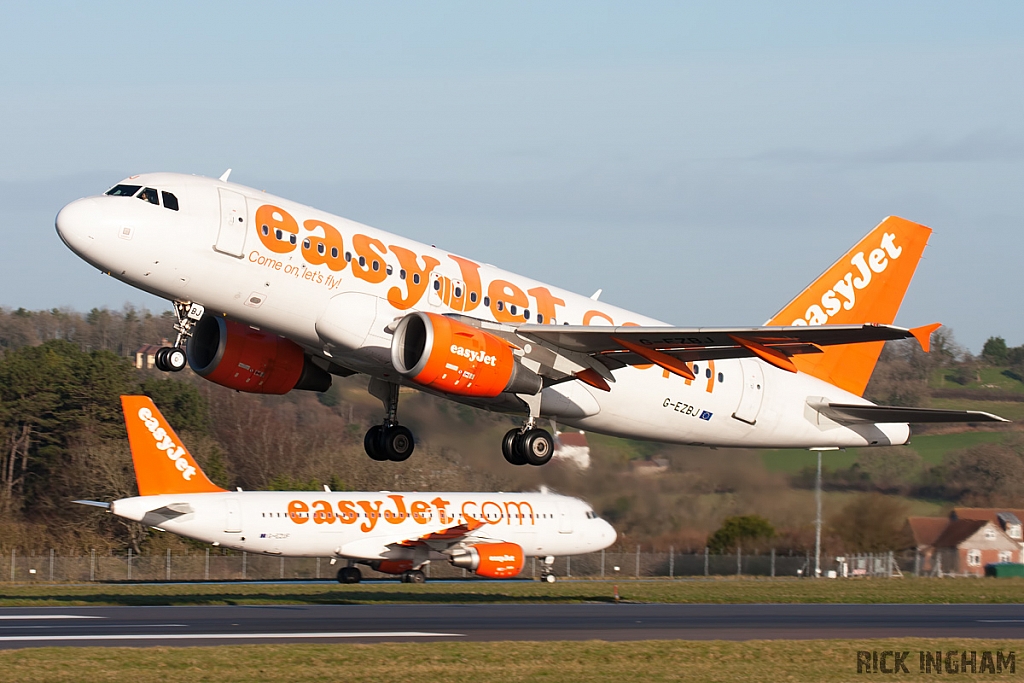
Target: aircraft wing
x: 673, y: 347
x: 445, y: 536
x: 851, y: 413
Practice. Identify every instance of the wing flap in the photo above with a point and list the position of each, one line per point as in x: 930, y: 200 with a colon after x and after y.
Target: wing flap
x: 845, y: 412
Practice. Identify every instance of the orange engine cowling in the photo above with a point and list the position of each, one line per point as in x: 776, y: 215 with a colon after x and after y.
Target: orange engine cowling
x: 450, y: 356
x: 239, y: 357
x: 493, y: 560
x: 392, y: 566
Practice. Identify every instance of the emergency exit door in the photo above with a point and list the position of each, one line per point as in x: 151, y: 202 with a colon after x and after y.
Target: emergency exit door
x: 752, y: 391
x: 233, y: 224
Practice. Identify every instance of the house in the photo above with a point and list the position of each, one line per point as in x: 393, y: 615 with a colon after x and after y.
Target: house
x: 967, y: 540
x: 572, y: 447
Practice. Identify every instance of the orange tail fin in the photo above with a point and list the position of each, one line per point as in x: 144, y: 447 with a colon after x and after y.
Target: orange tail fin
x: 162, y: 463
x: 865, y: 286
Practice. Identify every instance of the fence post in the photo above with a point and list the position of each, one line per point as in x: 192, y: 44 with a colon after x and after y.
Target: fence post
x: 568, y: 566
x: 206, y: 568
x: 739, y: 560
x: 92, y: 564
x: 51, y: 564
x: 773, y: 563
x: 602, y: 563
x: 129, y: 564
x: 705, y: 561
x: 243, y: 565
x: 167, y: 566
x: 533, y: 571
x: 638, y: 560
x: 282, y: 566
x: 671, y: 561
x: 318, y: 567
x: 917, y: 562
x: 13, y: 551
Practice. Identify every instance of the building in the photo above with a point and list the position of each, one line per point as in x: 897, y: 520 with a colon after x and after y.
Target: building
x: 572, y: 447
x: 967, y: 540
x: 145, y: 356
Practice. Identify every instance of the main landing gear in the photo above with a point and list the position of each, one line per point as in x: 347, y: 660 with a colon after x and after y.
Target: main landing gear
x: 172, y: 358
x: 349, y: 574
x: 527, y: 445
x: 390, y: 440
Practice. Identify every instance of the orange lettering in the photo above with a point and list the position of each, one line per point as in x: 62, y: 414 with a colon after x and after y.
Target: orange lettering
x: 504, y: 297
x: 441, y: 504
x: 346, y: 513
x: 546, y: 302
x: 368, y: 261
x: 416, y: 278
x: 296, y: 510
x: 483, y: 511
x: 590, y: 315
x: 420, y: 511
x: 372, y: 514
x: 642, y: 366
x: 398, y: 516
x: 277, y: 229
x: 471, y: 279
x: 328, y: 250
x: 465, y: 515
x: 322, y: 512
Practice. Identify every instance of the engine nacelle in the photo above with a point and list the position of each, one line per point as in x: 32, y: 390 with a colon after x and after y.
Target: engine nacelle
x: 238, y: 357
x: 493, y: 560
x: 450, y: 356
x: 391, y: 566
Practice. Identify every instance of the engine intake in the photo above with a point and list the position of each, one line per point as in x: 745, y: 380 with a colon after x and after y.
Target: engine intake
x: 239, y: 357
x: 493, y: 560
x: 455, y: 358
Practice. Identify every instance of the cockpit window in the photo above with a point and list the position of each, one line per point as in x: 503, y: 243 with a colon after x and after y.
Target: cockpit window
x: 149, y: 195
x: 170, y: 201
x: 124, y: 190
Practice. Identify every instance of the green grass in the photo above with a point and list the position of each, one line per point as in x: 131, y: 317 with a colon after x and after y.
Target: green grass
x: 725, y: 590
x: 443, y: 662
x: 791, y: 461
x: 991, y: 378
x: 1011, y: 410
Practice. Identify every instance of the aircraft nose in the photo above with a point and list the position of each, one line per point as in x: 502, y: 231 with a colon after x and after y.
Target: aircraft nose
x: 76, y: 224
x: 606, y: 534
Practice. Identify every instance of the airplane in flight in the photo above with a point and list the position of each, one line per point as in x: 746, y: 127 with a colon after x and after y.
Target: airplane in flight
x: 273, y: 296
x: 489, y: 534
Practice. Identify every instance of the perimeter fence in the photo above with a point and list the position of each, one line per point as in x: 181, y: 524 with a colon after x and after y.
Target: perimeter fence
x: 240, y: 566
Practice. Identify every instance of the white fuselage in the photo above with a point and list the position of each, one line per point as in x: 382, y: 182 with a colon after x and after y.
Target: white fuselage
x: 211, y: 251
x: 372, y: 526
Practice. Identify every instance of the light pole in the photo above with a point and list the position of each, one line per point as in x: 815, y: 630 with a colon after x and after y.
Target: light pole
x: 817, y: 521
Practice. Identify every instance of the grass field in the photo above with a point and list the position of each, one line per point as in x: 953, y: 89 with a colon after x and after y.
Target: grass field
x: 747, y: 590
x: 991, y: 378
x: 780, y: 660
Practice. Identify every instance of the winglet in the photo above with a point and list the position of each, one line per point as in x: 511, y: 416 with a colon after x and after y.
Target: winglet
x: 162, y: 463
x: 923, y: 335
x: 224, y: 177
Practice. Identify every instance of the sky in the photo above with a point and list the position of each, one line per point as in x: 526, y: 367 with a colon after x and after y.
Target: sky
x: 700, y: 163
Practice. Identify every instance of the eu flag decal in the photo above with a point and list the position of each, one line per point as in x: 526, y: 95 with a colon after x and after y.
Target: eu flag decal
x: 705, y: 415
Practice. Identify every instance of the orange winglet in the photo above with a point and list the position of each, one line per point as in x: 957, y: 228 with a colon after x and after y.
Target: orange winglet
x: 662, y: 360
x: 923, y: 335
x: 768, y: 355
x: 590, y: 376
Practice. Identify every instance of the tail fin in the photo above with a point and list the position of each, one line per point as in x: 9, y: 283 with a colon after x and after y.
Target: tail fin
x: 162, y: 463
x: 865, y: 286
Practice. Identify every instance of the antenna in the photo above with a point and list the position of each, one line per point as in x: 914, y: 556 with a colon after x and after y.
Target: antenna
x: 224, y: 176
x: 595, y: 296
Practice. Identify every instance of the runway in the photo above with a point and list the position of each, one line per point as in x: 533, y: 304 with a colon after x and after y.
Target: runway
x: 217, y: 625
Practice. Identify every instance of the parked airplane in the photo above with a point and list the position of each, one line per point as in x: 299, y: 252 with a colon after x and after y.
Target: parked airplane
x: 489, y: 534
x: 273, y: 296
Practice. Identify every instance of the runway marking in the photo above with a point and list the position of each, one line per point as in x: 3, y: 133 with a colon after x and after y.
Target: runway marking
x: 33, y: 617
x: 1001, y: 621
x: 232, y: 636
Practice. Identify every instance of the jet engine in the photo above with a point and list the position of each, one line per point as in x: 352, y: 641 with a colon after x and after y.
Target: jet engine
x: 245, y: 359
x: 493, y: 560
x: 455, y: 358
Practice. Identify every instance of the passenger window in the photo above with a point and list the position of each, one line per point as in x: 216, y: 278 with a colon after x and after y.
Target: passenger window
x: 124, y: 190
x: 149, y: 195
x: 170, y: 201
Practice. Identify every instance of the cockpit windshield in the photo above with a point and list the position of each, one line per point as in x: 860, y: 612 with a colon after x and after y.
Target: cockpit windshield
x: 147, y: 194
x: 124, y: 190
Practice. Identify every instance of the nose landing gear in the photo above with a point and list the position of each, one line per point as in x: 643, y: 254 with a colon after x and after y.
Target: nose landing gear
x: 390, y: 440
x: 172, y: 358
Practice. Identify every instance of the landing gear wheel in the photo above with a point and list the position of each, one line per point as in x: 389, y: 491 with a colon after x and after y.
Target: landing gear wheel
x: 396, y: 443
x: 550, y: 578
x: 414, y: 576
x: 510, y: 448
x: 175, y: 360
x: 536, y: 447
x: 349, y: 575
x: 160, y: 359
x: 372, y: 443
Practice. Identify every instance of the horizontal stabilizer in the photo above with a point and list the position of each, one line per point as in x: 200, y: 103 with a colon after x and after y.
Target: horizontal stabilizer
x: 847, y: 412
x: 94, y: 503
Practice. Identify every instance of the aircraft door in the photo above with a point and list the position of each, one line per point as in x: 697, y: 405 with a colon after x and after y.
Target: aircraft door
x: 752, y: 391
x: 564, y: 518
x: 233, y: 224
x: 233, y: 522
